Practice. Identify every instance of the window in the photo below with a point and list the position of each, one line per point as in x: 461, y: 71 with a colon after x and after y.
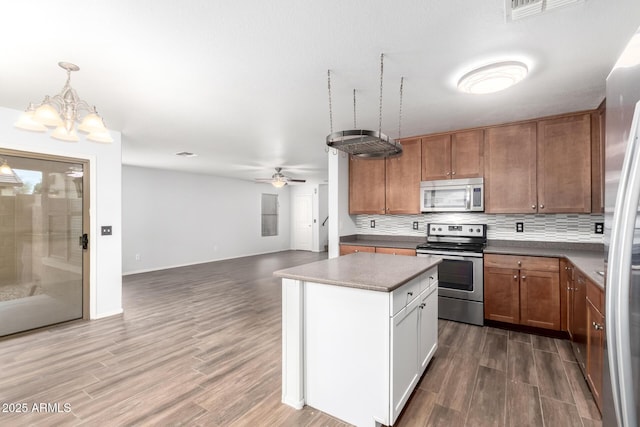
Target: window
x: 269, y: 214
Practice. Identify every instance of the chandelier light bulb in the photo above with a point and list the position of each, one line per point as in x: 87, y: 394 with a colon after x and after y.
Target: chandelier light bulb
x: 63, y: 134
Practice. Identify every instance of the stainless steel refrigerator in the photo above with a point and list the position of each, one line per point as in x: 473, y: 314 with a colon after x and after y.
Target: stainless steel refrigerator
x: 621, y: 380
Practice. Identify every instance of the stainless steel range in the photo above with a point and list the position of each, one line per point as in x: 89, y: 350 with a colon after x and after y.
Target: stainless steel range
x: 460, y: 275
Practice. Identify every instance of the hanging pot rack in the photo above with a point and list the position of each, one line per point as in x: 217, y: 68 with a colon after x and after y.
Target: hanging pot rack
x: 363, y: 142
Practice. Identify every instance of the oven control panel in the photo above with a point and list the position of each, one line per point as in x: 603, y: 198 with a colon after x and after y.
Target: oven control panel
x: 457, y: 230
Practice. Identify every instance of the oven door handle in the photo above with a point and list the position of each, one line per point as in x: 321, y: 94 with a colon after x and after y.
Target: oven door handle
x: 452, y: 257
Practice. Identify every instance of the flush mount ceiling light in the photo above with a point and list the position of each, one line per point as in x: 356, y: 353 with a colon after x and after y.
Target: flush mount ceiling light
x: 493, y: 77
x: 363, y: 142
x: 62, y: 111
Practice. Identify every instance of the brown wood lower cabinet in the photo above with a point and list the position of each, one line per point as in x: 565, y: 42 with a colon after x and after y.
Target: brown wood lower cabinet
x: 350, y: 249
x: 595, y: 339
x: 522, y: 290
x: 396, y: 251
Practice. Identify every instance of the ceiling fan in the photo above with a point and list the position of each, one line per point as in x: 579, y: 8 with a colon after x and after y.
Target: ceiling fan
x: 278, y: 179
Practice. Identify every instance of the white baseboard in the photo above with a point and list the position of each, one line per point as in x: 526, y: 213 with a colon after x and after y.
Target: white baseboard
x: 108, y: 314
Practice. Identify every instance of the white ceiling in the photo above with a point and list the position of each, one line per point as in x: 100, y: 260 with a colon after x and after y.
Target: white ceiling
x: 244, y: 83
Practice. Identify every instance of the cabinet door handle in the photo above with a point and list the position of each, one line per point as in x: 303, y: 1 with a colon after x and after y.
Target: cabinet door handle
x: 430, y: 277
x: 533, y: 207
x: 357, y: 250
x: 453, y: 173
x: 541, y: 206
x: 524, y: 277
x: 448, y: 173
x: 519, y: 263
x: 597, y: 326
x: 515, y: 276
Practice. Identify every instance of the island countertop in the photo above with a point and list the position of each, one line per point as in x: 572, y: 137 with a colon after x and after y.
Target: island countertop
x: 370, y: 271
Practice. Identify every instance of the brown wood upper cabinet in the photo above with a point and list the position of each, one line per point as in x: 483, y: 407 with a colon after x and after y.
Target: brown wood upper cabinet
x: 403, y: 179
x: 542, y: 167
x: 510, y: 169
x: 522, y: 290
x: 457, y: 155
x: 392, y: 186
x: 598, y: 125
x: 564, y: 164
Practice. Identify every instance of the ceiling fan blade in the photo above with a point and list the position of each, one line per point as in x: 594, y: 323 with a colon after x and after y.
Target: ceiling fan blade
x: 296, y: 180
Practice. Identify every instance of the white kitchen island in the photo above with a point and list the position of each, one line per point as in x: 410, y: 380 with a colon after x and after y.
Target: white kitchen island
x: 358, y: 331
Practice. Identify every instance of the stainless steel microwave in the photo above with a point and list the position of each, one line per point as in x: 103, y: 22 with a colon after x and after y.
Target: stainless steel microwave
x: 452, y: 195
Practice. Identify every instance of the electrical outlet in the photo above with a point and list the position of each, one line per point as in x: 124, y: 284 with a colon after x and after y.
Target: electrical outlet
x: 519, y: 227
x: 373, y: 223
x: 106, y: 230
x: 415, y: 225
x: 599, y: 228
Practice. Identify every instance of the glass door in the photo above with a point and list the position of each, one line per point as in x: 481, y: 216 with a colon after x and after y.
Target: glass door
x: 43, y: 265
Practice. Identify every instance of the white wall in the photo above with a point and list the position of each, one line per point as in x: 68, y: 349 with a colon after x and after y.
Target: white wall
x: 105, y: 204
x: 323, y: 212
x: 174, y: 218
x: 340, y: 222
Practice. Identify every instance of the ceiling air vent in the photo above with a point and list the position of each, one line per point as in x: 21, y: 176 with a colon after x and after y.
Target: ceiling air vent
x: 518, y: 9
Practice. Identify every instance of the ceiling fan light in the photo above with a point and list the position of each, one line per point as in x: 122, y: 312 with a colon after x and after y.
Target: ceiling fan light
x: 100, y: 136
x: 27, y: 122
x: 278, y: 183
x: 91, y: 123
x: 47, y: 115
x: 493, y: 77
x: 63, y: 134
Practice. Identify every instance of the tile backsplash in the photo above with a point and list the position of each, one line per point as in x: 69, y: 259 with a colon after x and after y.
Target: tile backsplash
x: 549, y: 227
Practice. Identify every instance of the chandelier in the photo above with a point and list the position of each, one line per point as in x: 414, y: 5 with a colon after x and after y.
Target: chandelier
x: 65, y: 112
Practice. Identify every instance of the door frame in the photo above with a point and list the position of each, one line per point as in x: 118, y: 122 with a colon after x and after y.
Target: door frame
x: 295, y: 219
x: 86, y: 218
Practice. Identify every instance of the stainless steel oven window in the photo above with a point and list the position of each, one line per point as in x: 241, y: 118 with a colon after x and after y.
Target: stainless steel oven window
x: 456, y: 274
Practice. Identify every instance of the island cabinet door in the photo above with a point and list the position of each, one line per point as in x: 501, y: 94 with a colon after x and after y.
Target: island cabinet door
x: 404, y: 356
x: 428, y: 314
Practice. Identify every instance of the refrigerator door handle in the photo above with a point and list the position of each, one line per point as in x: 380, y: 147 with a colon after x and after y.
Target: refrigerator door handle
x: 619, y: 279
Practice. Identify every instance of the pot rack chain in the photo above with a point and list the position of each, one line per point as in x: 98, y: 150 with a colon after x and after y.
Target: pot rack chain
x: 400, y: 113
x: 381, y: 73
x: 326, y: 149
x: 355, y: 126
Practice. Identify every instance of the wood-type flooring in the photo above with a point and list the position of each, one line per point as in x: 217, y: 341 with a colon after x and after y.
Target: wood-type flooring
x: 201, y: 346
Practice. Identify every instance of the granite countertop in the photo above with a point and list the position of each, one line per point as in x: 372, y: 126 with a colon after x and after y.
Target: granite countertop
x: 402, y: 242
x: 588, y: 258
x: 370, y: 271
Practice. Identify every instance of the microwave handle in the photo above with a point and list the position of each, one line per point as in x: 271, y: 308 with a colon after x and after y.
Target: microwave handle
x: 467, y: 198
